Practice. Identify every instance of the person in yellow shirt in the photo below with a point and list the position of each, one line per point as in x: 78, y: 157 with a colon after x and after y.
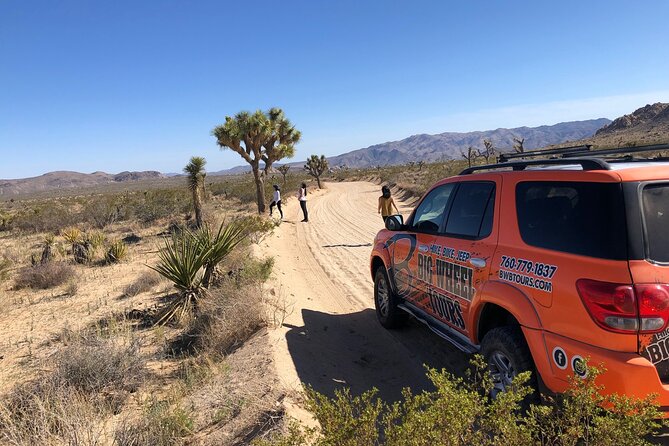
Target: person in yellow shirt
x: 386, y: 204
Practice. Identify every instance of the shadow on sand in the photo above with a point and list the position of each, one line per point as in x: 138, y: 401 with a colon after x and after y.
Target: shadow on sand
x: 352, y: 350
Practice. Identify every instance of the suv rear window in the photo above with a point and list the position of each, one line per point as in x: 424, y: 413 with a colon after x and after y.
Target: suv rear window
x: 574, y: 217
x: 655, y: 202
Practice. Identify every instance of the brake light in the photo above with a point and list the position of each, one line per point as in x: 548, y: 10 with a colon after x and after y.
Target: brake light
x: 622, y: 308
x: 611, y: 305
x: 653, y: 306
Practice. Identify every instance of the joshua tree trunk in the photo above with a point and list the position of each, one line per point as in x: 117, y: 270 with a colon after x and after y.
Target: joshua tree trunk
x: 197, y: 204
x: 260, y: 189
x: 318, y: 180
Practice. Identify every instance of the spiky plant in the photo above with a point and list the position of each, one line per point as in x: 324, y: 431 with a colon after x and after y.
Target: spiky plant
x: 189, y: 259
x: 71, y: 235
x: 116, y: 252
x: 219, y: 245
x: 195, y: 171
x: 182, y: 261
x: 96, y: 240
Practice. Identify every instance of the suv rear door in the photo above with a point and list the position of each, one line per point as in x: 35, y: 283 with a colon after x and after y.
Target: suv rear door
x: 648, y: 215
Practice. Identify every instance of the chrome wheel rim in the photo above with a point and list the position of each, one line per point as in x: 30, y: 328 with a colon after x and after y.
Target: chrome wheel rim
x: 501, y: 372
x: 382, y: 297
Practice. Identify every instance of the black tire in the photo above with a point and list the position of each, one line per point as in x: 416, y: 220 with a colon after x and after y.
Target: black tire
x: 507, y: 355
x: 385, y: 302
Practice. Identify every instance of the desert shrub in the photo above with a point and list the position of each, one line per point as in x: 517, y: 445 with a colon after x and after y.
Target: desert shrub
x: 163, y: 423
x: 43, y: 412
x: 44, y: 276
x: 459, y: 412
x: 88, y: 381
x: 223, y: 322
x: 45, y: 217
x: 116, y: 252
x: 158, y: 204
x: 99, y: 366
x: 256, y: 270
x: 144, y: 283
x: 102, y: 211
x: 6, y: 222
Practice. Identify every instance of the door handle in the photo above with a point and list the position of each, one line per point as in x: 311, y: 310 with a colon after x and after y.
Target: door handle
x: 478, y: 263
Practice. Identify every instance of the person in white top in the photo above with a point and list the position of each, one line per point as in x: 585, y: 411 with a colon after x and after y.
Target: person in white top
x: 302, y: 196
x: 276, y: 201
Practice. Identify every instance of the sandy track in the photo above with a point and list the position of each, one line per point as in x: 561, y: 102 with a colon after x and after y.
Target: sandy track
x: 331, y: 337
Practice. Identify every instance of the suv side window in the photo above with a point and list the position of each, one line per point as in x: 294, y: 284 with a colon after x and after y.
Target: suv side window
x: 430, y: 212
x: 573, y: 217
x: 472, y: 210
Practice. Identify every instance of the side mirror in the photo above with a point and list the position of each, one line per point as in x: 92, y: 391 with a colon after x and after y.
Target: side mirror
x: 394, y: 223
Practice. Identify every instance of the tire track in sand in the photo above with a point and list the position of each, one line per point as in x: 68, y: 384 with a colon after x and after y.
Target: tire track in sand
x: 331, y: 337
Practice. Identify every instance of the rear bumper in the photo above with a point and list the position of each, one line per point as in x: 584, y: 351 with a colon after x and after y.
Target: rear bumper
x: 625, y: 373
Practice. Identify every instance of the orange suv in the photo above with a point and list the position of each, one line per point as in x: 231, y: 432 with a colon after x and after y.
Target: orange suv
x: 539, y: 264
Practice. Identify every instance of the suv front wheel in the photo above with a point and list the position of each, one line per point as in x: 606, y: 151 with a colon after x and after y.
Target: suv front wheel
x: 507, y: 355
x: 385, y: 301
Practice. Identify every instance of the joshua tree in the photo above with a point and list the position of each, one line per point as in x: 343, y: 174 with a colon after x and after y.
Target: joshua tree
x: 260, y: 136
x: 488, y: 151
x: 195, y: 171
x: 471, y: 155
x: 518, y: 144
x: 420, y: 165
x: 284, y: 171
x: 316, y: 166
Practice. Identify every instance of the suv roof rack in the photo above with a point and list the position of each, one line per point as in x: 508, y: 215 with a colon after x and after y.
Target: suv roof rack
x: 585, y: 163
x: 564, y: 151
x: 595, y: 159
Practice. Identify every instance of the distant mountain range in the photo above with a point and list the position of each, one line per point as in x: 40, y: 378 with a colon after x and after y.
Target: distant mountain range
x: 451, y: 145
x: 66, y: 180
x: 647, y: 125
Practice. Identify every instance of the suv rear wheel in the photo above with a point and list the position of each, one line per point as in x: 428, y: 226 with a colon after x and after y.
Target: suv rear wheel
x: 506, y: 353
x: 385, y: 302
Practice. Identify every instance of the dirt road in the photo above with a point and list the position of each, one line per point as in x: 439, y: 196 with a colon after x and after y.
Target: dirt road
x: 331, y: 337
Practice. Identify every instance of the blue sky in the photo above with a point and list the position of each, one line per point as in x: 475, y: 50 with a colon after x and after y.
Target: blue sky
x: 138, y: 85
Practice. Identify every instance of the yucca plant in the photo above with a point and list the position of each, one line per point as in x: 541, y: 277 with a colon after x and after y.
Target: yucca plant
x: 182, y: 261
x: 96, y: 240
x: 72, y: 235
x: 188, y: 261
x: 219, y: 245
x: 116, y: 252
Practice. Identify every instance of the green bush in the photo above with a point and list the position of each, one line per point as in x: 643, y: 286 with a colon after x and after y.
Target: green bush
x: 459, y: 412
x: 161, y: 424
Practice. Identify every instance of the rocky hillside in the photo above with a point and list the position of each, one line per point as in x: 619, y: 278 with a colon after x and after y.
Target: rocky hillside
x: 451, y: 145
x: 66, y: 180
x: 646, y: 125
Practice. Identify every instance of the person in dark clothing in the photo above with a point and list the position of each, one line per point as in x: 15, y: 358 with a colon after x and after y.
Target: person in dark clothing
x: 276, y: 201
x: 302, y: 196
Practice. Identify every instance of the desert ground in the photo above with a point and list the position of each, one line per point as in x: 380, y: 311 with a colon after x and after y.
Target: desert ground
x: 330, y: 337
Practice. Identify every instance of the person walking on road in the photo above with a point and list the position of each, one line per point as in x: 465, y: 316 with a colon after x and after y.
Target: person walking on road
x: 276, y: 201
x: 386, y: 204
x: 302, y: 196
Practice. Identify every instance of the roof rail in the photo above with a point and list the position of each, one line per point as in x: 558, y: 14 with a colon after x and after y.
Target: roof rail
x: 624, y: 150
x: 564, y: 151
x: 585, y: 163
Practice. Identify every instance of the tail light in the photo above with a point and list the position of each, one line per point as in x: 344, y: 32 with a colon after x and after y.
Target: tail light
x: 622, y: 308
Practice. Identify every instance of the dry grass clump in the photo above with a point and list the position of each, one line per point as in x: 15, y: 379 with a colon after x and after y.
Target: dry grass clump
x: 228, y: 317
x: 44, y: 276
x: 89, y: 379
x: 45, y: 413
x: 163, y: 423
x: 145, y: 282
